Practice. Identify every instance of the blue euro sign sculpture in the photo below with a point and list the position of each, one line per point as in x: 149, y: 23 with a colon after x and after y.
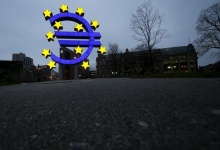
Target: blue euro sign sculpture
x: 66, y: 38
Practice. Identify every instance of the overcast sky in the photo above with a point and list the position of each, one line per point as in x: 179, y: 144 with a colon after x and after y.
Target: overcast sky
x: 23, y: 27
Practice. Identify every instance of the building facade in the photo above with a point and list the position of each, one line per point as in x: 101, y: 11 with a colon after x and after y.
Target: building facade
x: 71, y: 72
x: 28, y: 66
x: 11, y: 71
x: 66, y: 72
x: 165, y: 60
x: 27, y: 61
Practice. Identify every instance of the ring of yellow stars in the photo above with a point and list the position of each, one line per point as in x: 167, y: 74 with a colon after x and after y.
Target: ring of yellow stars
x: 46, y: 53
x: 52, y: 64
x: 78, y: 27
x: 80, y: 11
x: 64, y: 8
x: 102, y: 50
x: 47, y: 14
x: 58, y: 25
x: 50, y: 36
x: 85, y: 65
x: 78, y: 50
x: 94, y: 24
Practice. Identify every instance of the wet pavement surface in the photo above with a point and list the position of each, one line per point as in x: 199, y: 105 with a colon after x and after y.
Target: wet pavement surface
x: 111, y: 114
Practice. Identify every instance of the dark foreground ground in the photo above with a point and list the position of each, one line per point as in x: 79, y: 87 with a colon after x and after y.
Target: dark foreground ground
x: 111, y: 114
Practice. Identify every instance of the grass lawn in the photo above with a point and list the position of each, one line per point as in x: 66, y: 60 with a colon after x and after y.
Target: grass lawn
x: 5, y: 82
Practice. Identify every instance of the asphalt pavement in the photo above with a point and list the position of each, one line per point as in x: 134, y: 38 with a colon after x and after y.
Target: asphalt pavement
x: 111, y: 114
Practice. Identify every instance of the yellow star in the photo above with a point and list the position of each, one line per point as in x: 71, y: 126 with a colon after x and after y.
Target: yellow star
x: 85, y: 64
x: 50, y: 36
x: 102, y: 50
x: 64, y: 8
x: 78, y: 50
x: 52, y: 64
x: 47, y: 14
x: 78, y: 27
x: 94, y: 24
x: 58, y: 25
x: 80, y: 11
x: 46, y: 53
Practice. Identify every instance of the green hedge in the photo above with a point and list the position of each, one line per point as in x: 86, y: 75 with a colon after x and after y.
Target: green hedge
x: 5, y: 82
x: 183, y: 75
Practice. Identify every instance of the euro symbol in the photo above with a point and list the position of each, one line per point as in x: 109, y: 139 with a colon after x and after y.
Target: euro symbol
x: 63, y: 36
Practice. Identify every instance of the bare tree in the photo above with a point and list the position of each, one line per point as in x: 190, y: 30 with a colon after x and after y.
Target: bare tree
x: 208, y: 29
x: 113, y: 47
x: 143, y: 57
x: 146, y: 25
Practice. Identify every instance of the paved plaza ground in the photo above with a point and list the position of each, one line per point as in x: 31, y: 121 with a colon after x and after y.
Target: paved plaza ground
x: 111, y: 114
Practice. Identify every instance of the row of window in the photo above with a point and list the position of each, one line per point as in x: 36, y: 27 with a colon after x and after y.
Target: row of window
x: 28, y: 62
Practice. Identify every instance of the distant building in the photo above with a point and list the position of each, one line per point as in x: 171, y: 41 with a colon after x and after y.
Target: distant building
x: 28, y: 66
x: 27, y: 61
x: 216, y: 67
x: 11, y: 71
x: 165, y: 60
x: 82, y: 73
x: 93, y: 73
x: 66, y: 72
x: 178, y: 59
x: 210, y: 67
x: 70, y: 72
x: 54, y: 75
x: 43, y: 73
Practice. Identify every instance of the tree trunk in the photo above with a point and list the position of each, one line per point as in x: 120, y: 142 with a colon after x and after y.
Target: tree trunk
x: 151, y: 61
